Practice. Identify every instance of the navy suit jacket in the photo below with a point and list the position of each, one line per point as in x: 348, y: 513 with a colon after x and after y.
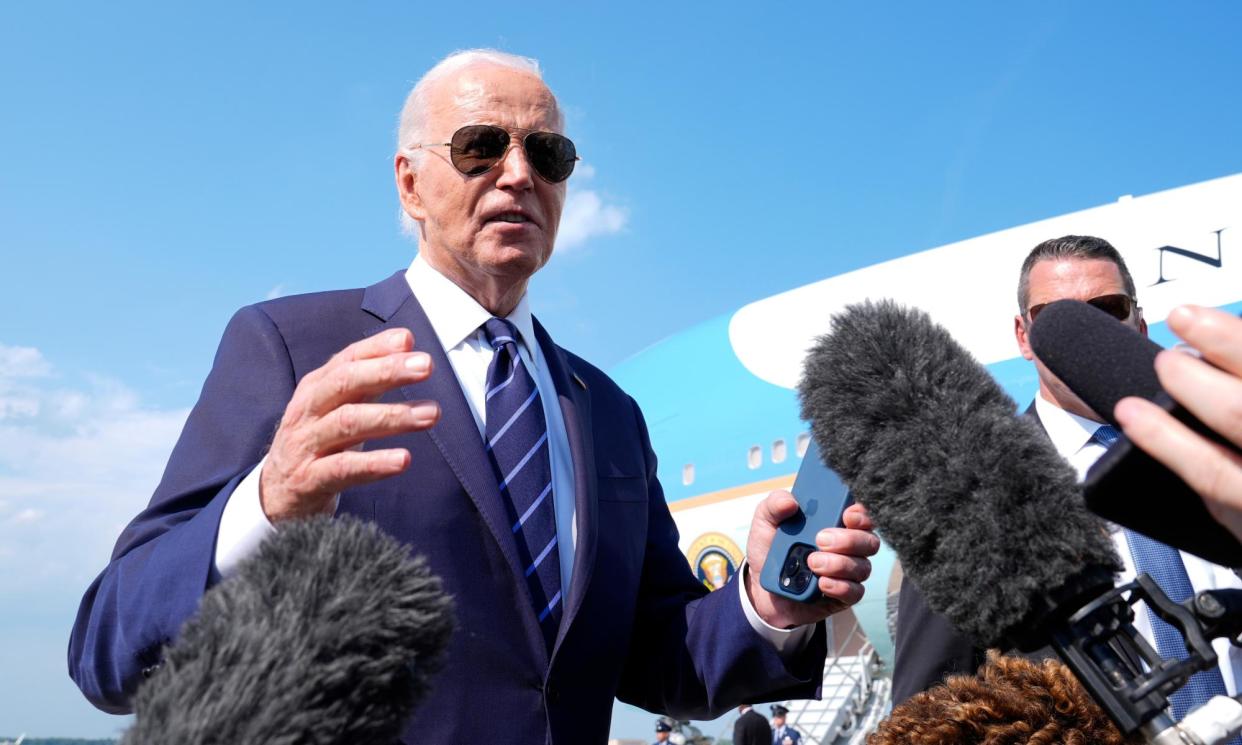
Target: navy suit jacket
x: 637, y: 624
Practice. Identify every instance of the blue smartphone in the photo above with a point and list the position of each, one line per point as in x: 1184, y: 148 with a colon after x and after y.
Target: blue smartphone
x: 822, y: 499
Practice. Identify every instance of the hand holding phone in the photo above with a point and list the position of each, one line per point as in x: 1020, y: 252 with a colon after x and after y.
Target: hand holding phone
x: 822, y: 498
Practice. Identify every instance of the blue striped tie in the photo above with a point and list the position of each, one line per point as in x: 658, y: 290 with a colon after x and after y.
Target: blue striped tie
x: 1164, y: 564
x: 517, y: 444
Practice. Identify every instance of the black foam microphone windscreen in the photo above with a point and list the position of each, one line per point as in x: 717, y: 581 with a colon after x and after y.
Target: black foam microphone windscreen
x: 1100, y: 359
x: 1103, y: 361
x: 329, y: 634
x: 985, y: 516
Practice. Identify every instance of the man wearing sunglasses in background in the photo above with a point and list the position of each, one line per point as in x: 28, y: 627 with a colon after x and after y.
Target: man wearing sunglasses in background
x: 1088, y: 269
x: 436, y: 405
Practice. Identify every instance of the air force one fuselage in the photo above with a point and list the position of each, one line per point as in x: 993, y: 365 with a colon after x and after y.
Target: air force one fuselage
x: 719, y: 398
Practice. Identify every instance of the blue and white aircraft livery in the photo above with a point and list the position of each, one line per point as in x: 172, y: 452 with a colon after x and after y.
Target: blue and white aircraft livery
x: 720, y: 401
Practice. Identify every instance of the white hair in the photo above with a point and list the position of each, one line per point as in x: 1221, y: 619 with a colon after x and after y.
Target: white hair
x: 412, y: 126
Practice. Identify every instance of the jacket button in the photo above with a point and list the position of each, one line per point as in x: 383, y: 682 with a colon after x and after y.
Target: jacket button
x: 552, y: 693
x: 147, y: 672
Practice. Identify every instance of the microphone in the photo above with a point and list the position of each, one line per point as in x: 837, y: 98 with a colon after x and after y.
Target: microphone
x: 968, y: 495
x: 984, y: 514
x: 1103, y: 361
x: 330, y: 633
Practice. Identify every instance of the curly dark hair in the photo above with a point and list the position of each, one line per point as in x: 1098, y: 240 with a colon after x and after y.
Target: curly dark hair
x: 1012, y: 701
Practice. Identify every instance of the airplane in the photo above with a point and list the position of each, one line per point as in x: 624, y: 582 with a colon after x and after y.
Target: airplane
x: 723, y: 415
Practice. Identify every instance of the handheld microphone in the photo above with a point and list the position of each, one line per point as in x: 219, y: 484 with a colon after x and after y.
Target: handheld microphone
x: 984, y: 514
x: 329, y: 634
x: 1103, y: 361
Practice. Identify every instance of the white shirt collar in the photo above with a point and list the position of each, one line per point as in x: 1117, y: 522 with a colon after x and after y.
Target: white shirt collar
x: 1068, y: 431
x: 455, y: 315
x: 1070, y: 434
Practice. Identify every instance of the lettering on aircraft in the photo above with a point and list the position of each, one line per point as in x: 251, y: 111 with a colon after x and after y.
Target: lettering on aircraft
x: 1203, y: 258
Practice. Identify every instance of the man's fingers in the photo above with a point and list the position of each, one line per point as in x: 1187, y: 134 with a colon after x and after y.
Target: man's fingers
x: 847, y: 542
x: 352, y: 424
x: 836, y: 566
x: 1214, y: 396
x: 395, y: 341
x: 379, y: 345
x: 840, y: 566
x: 776, y: 508
x: 1210, y: 469
x: 845, y: 591
x: 359, y: 380
x: 1214, y: 333
x: 856, y: 517
x: 338, y: 472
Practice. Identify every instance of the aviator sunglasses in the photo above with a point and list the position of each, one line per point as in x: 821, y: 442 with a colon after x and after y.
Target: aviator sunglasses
x: 1117, y: 306
x: 476, y: 148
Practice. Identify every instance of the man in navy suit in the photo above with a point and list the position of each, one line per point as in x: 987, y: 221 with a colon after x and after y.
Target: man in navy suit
x: 436, y: 405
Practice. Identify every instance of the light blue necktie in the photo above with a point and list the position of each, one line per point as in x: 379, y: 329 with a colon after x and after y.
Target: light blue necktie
x: 1165, y: 566
x: 517, y: 445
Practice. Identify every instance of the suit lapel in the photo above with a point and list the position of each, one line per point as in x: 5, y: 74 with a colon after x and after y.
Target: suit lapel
x: 456, y: 436
x: 575, y: 402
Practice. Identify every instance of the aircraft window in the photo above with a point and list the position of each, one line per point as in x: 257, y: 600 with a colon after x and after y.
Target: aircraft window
x: 802, y: 443
x: 778, y: 451
x: 687, y: 474
x: 754, y: 457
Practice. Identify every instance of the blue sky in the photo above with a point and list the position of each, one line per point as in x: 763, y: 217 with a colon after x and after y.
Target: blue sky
x: 162, y: 165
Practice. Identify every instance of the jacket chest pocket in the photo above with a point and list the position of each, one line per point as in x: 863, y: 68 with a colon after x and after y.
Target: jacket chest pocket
x: 623, y: 516
x: 622, y: 489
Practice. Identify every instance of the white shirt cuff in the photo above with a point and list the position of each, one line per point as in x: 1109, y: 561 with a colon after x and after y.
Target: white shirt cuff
x: 243, y: 526
x: 788, y: 642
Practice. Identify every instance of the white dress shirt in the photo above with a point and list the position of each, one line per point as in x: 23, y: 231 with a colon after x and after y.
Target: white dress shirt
x: 457, y: 320
x: 1071, y: 435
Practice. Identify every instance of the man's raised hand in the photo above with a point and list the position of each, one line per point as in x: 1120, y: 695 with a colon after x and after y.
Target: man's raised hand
x: 316, y: 451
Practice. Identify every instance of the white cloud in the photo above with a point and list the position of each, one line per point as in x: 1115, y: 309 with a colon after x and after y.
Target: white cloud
x: 26, y: 516
x: 17, y: 407
x: 19, y: 367
x: 275, y: 292
x: 77, y: 461
x: 22, y: 362
x: 587, y: 215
